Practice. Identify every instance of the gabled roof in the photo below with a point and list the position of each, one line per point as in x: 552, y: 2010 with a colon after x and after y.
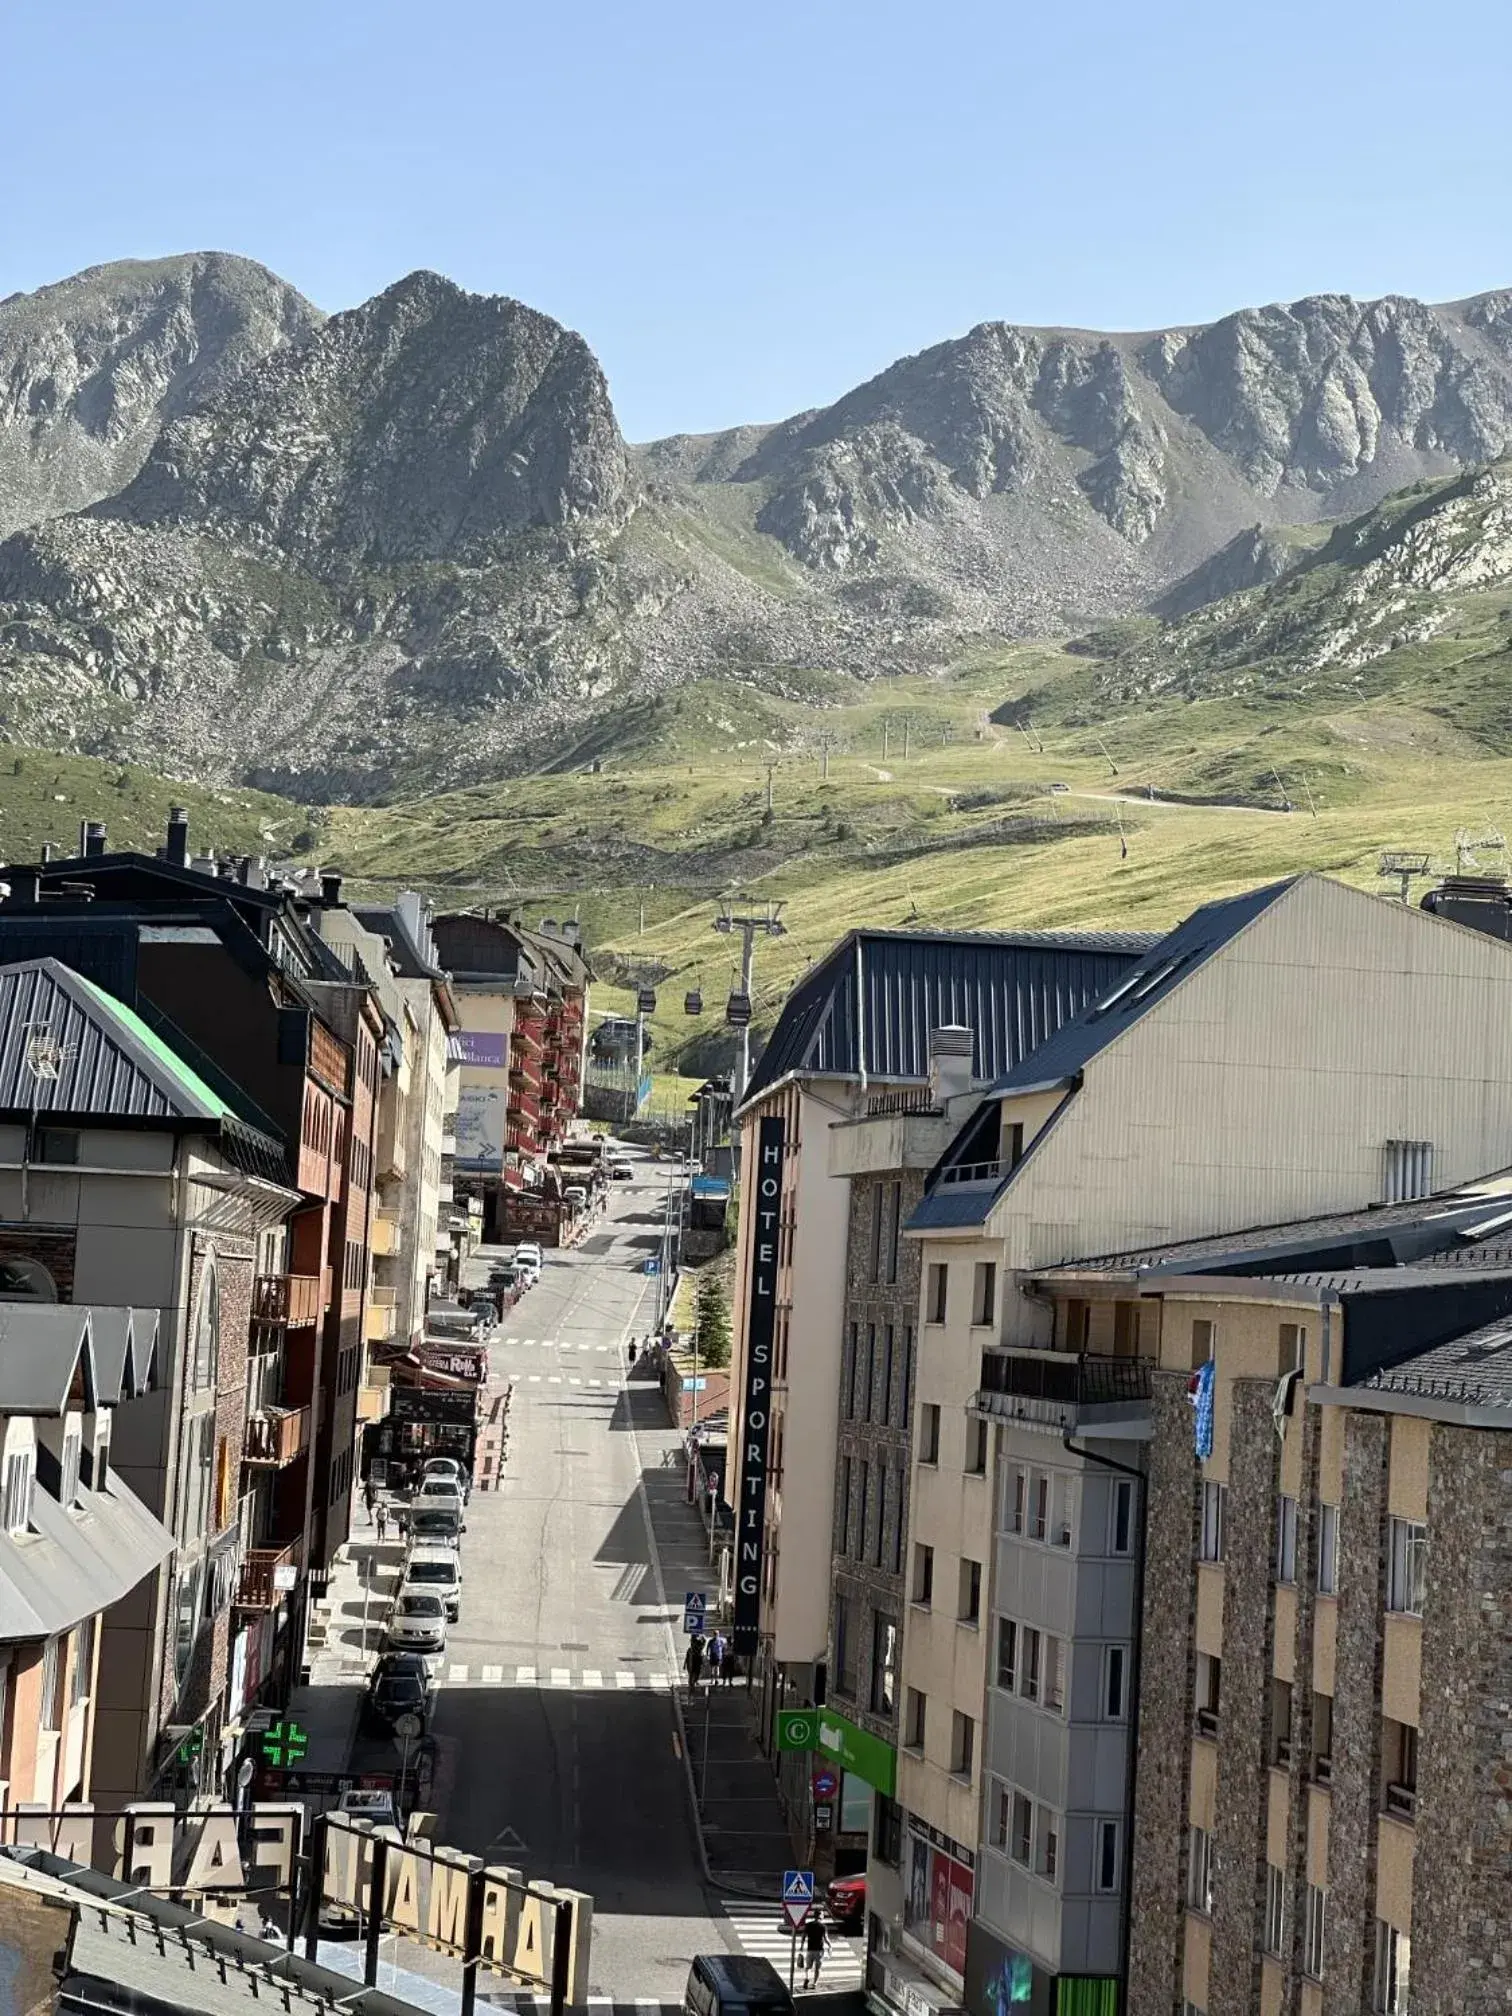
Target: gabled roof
x: 1142, y: 986
x: 125, y: 1346
x: 1012, y: 989
x: 42, y: 1346
x: 112, y: 1065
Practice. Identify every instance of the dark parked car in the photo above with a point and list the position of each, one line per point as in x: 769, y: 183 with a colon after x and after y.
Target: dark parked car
x: 432, y: 1528
x: 400, y: 1684
x: 845, y: 1900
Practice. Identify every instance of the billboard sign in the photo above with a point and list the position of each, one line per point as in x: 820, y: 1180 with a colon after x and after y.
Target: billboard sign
x: 755, y: 1419
x: 483, y: 1050
x: 937, y: 1906
x: 480, y: 1128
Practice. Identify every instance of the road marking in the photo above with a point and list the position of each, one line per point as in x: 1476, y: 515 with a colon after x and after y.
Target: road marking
x: 493, y: 1676
x: 525, y: 1676
x: 553, y: 1378
x: 592, y: 1677
x: 762, y: 1934
x: 560, y: 1677
x: 457, y: 1675
x: 661, y: 1680
x: 593, y: 1382
x: 624, y: 1679
x: 532, y: 1378
x: 574, y: 1382
x: 602, y: 1348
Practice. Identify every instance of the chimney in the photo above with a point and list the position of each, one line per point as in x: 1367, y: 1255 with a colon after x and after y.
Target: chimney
x: 330, y: 889
x: 949, y: 1063
x: 25, y: 885
x: 176, y: 853
x: 47, y: 847
x: 1480, y: 902
x: 83, y: 839
x: 244, y: 870
x: 94, y: 838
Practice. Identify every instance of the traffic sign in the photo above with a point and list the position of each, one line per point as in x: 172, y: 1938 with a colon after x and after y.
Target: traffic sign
x: 695, y: 1610
x: 797, y: 1728
x: 284, y: 1744
x: 825, y: 1783
x: 797, y: 1886
x: 796, y: 1913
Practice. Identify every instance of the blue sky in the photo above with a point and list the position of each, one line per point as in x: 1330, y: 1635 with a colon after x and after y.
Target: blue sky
x: 748, y: 210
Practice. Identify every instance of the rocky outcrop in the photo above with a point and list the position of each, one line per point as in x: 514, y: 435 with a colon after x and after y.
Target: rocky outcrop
x: 90, y: 369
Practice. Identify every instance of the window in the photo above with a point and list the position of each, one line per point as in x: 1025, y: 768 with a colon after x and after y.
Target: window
x: 885, y: 1369
x: 983, y: 1292
x: 864, y: 1491
x: 1013, y: 1143
x: 1200, y: 1869
x: 1121, y: 1522
x: 1322, y: 1733
x: 1293, y: 1352
x: 1016, y: 1501
x: 845, y: 1647
x: 913, y: 1725
x: 929, y: 1433
x: 83, y: 1667
x: 1039, y: 1505
x: 1007, y: 1654
x: 924, y: 1575
x: 68, y: 1482
x: 976, y: 1447
x: 100, y: 1475
x: 1399, y: 1748
x: 1055, y: 1673
x: 1202, y: 1341
x: 1046, y: 1843
x: 58, y: 1144
x: 1209, y: 1687
x: 962, y: 1744
x: 1280, y: 1722
x: 847, y: 1480
x: 1078, y: 1325
x: 894, y: 1215
x: 1409, y: 1171
x: 1406, y: 1575
x: 1001, y: 1815
x: 1393, y: 1957
x: 884, y: 1664
x: 52, y: 1685
x: 207, y: 1330
x: 868, y: 1371
x: 1275, y: 1910
x: 1060, y: 1510
x: 1021, y: 1843
x: 1286, y: 1539
x: 887, y: 1830
x: 935, y: 1309
x: 908, y: 1356
x: 850, y: 1378
x: 1214, y: 1505
x: 900, y: 1504
x: 18, y: 1490
x: 875, y: 1269
x: 1125, y: 1329
x: 1314, y: 1924
x: 1106, y: 1856
x: 970, y: 1608
x: 1328, y: 1550
x: 1114, y: 1680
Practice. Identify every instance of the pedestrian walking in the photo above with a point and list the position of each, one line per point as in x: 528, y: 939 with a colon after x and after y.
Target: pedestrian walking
x: 693, y: 1660
x: 381, y: 1515
x: 719, y: 1651
x: 814, y: 1938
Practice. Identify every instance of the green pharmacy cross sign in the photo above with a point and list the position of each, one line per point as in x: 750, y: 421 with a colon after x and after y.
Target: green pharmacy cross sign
x: 284, y: 1744
x: 191, y: 1747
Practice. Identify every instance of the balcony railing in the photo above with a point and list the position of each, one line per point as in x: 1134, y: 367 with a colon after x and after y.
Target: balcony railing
x: 906, y: 1099
x: 975, y: 1172
x: 1065, y: 1379
x: 381, y: 1314
x: 286, y: 1298
x: 268, y: 1575
x: 386, y: 1235
x: 275, y: 1436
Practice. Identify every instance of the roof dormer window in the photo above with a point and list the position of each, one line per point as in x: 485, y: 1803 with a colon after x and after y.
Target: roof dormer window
x: 19, y: 1480
x: 68, y: 1482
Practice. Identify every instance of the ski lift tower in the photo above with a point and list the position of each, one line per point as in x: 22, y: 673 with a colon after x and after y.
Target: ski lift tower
x: 768, y: 924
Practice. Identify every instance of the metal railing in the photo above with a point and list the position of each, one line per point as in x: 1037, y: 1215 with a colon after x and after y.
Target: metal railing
x: 275, y: 1436
x: 286, y: 1298
x: 975, y: 1172
x: 904, y: 1099
x: 1082, y: 1380
x: 260, y: 1587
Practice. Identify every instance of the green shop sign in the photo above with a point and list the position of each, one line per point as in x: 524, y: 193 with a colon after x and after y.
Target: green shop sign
x: 855, y: 1750
x: 797, y: 1728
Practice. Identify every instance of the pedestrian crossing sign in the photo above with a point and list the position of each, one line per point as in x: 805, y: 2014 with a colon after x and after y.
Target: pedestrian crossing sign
x: 797, y: 1886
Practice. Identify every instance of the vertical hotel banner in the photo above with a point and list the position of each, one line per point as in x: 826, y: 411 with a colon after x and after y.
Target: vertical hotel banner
x: 756, y: 1412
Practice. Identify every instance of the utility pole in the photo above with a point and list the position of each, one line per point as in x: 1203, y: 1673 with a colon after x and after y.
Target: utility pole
x: 770, y: 925
x: 824, y: 749
x: 1104, y: 748
x: 907, y: 724
x: 769, y: 768
x: 886, y: 726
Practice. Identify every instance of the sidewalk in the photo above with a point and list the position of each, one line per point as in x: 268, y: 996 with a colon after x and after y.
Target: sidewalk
x: 745, y: 1835
x: 363, y: 1580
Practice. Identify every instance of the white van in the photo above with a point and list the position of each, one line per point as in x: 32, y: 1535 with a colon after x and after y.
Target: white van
x: 438, y: 1572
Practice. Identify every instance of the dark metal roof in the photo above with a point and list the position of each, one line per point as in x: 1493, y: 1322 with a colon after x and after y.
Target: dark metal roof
x: 1013, y: 990
x: 1143, y: 985
x: 1474, y: 1370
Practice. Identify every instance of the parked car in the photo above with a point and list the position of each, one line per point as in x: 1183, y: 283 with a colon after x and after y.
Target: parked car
x: 735, y: 1984
x: 439, y: 1492
x: 417, y: 1622
x: 437, y: 1571
x: 845, y: 1901
x: 620, y: 1172
x: 447, y: 1466
x: 576, y: 1195
x: 434, y: 1526
x: 400, y: 1684
x: 528, y: 1255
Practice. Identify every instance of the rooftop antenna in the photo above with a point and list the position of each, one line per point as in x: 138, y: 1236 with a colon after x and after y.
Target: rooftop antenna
x: 1404, y: 866
x: 43, y: 1057
x: 1469, y: 846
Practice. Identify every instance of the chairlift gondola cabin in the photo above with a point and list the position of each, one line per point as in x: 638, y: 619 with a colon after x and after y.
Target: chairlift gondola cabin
x: 645, y: 1001
x: 693, y: 1002
x: 738, y: 1010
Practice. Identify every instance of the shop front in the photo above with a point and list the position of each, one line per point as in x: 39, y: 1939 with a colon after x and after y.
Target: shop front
x: 1001, y: 1981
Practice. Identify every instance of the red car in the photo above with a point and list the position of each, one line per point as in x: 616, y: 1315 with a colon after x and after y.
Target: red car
x: 845, y: 1901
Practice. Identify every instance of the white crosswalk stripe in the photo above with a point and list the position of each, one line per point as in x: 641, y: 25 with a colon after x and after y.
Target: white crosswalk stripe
x: 592, y: 1677
x: 762, y: 1933
x: 624, y: 1679
x: 525, y: 1676
x: 457, y: 1675
x: 621, y: 1678
x: 532, y: 1378
x: 574, y: 1382
x: 594, y: 1382
x: 493, y: 1676
x: 553, y: 1378
x: 560, y: 1677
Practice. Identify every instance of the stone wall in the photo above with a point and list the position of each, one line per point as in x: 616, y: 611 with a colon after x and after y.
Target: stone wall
x: 1299, y: 1776
x: 1349, y: 1952
x: 1239, y: 1856
x: 1164, y: 1738
x: 1462, y: 1872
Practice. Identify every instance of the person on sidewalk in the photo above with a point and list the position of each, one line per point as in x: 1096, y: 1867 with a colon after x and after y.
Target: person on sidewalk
x: 381, y: 1514
x: 719, y: 1652
x: 813, y: 1950
x: 693, y: 1660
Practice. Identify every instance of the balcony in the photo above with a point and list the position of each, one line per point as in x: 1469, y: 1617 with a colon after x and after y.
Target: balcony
x: 275, y: 1436
x: 373, y: 1393
x: 1066, y: 1392
x: 268, y: 1574
x: 385, y: 1239
x: 289, y: 1299
x: 382, y: 1314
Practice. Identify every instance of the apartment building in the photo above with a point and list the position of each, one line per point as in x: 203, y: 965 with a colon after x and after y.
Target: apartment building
x: 74, y: 1538
x: 1305, y: 1047
x: 854, y: 1035
x: 124, y: 1172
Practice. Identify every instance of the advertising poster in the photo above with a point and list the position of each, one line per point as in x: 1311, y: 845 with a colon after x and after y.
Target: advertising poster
x: 938, y: 1907
x: 484, y: 1050
x: 480, y: 1128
